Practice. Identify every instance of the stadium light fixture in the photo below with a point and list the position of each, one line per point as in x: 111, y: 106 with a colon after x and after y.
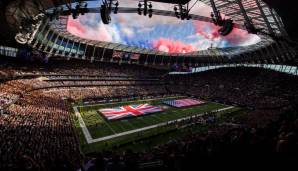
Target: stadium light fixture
x: 227, y: 25
x: 84, y: 8
x: 74, y: 14
x: 145, y: 7
x: 116, y: 7
x: 139, y: 11
x: 106, y: 8
x: 182, y: 12
x: 175, y: 9
x: 105, y: 14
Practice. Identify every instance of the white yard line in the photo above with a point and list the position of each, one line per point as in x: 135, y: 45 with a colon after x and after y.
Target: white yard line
x: 90, y: 140
x: 156, y: 117
x: 83, y: 126
x: 223, y: 109
x: 108, y: 125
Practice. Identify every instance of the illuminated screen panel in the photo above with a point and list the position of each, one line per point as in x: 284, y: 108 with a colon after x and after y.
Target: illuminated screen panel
x: 163, y: 33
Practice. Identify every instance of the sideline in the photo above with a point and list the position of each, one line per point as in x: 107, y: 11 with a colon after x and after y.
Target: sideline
x: 83, y: 126
x: 90, y: 140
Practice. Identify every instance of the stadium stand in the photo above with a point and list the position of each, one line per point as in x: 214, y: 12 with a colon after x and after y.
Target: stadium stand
x: 61, y: 64
x: 54, y: 144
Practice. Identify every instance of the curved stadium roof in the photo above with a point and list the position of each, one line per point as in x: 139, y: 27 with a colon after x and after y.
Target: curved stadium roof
x: 63, y: 36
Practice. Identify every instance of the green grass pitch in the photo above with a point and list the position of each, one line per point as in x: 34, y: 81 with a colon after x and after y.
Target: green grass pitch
x: 99, y: 127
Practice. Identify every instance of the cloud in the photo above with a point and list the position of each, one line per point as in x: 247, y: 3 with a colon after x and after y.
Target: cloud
x: 163, y: 33
x: 128, y: 31
x: 207, y: 30
x: 76, y: 28
x: 99, y: 31
x: 171, y: 46
x: 242, y: 38
x: 237, y: 37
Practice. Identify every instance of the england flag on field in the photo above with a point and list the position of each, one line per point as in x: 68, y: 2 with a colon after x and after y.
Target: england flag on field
x: 129, y: 111
x: 183, y: 102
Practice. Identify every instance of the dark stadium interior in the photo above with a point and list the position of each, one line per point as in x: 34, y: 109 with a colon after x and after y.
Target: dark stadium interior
x: 53, y: 84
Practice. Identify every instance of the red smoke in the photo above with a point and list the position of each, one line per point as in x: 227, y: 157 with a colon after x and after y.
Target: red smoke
x: 210, y: 32
x: 99, y: 33
x: 74, y: 26
x: 207, y: 30
x: 237, y: 36
x: 170, y: 46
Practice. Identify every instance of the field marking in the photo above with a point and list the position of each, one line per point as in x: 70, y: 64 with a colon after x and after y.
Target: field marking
x: 110, y: 127
x: 128, y: 123
x: 170, y: 97
x: 83, y: 125
x: 157, y: 118
x: 90, y: 140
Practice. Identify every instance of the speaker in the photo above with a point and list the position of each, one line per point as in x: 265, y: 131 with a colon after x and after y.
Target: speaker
x: 227, y: 27
x: 105, y: 14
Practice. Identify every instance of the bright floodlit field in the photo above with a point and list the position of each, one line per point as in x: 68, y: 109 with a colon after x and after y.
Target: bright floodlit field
x: 104, y: 134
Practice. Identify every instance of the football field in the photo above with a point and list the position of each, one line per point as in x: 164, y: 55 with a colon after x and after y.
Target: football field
x: 96, y: 132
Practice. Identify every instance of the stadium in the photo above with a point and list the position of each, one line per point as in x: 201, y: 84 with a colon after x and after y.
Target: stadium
x: 135, y: 85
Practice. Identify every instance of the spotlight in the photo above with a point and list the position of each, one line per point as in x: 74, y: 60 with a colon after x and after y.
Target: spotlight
x: 227, y: 27
x: 77, y: 7
x: 116, y: 7
x: 150, y: 11
x: 116, y: 10
x: 74, y: 14
x: 177, y: 14
x: 139, y: 11
x: 105, y: 14
x: 84, y: 9
x: 188, y: 17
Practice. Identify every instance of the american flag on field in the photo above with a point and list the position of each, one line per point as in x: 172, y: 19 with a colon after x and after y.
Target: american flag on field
x: 129, y: 111
x: 183, y: 102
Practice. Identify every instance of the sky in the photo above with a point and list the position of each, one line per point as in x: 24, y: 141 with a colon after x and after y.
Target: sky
x: 162, y: 33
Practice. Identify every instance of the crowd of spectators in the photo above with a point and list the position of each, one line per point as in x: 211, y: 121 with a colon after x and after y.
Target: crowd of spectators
x: 105, y: 92
x: 75, y: 67
x: 37, y: 131
x: 267, y: 134
x: 6, y: 99
x: 250, y: 87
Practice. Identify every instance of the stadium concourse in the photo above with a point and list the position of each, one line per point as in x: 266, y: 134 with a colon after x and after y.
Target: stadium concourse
x: 118, y: 85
